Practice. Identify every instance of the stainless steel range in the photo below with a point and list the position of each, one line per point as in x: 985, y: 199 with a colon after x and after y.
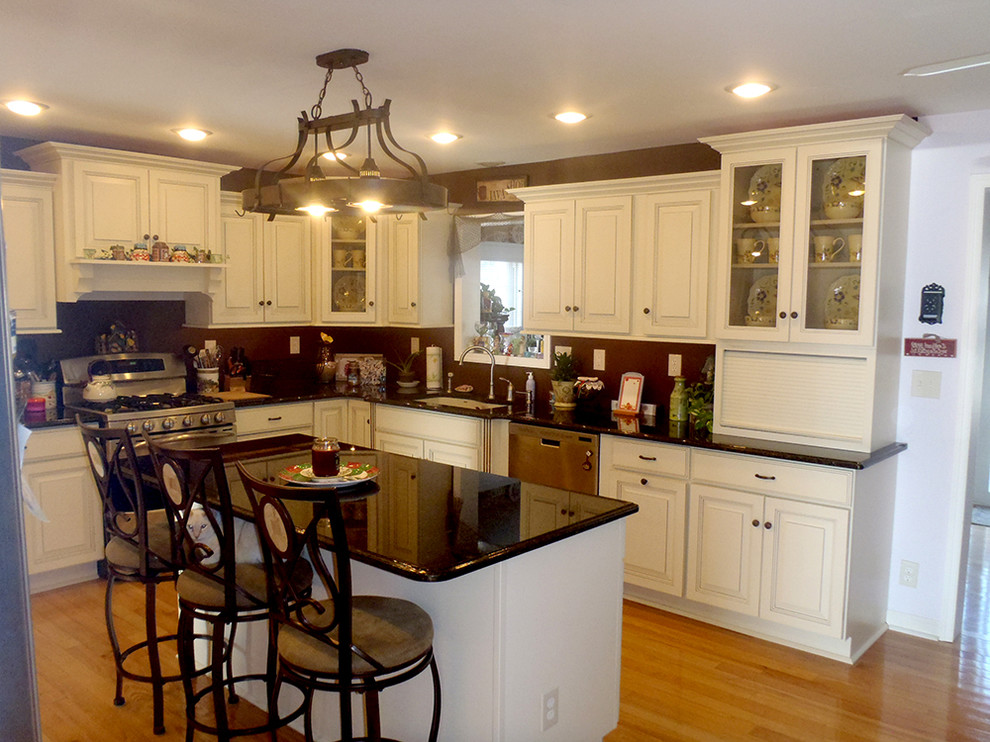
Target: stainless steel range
x: 152, y: 398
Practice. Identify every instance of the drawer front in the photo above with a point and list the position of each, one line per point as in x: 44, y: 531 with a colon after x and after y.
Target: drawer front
x: 641, y: 456
x: 53, y: 443
x: 429, y: 425
x: 273, y: 418
x: 787, y: 479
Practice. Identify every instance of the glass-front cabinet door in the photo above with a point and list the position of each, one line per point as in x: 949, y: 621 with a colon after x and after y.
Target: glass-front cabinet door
x: 801, y: 259
x: 347, y: 270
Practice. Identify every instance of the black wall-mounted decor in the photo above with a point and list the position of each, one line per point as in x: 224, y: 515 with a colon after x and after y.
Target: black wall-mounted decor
x: 932, y: 301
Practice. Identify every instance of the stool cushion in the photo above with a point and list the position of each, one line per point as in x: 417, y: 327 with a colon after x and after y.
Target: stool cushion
x: 123, y: 554
x: 391, y: 631
x: 206, y: 591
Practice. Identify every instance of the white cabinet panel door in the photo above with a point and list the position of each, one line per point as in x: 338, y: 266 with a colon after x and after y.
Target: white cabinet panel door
x: 603, y: 264
x: 288, y: 256
x: 548, y: 281
x: 724, y: 548
x: 183, y: 208
x: 111, y: 204
x: 29, y: 236
x: 655, y: 535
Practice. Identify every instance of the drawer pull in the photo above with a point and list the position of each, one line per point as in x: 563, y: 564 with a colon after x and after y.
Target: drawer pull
x: 274, y: 419
x: 648, y: 458
x: 768, y: 477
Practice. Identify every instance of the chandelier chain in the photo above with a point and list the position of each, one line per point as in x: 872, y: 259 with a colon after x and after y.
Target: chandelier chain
x: 364, y: 88
x: 317, y: 110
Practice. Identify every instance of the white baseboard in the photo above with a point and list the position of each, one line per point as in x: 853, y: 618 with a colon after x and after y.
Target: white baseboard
x: 908, y: 623
x: 54, y: 578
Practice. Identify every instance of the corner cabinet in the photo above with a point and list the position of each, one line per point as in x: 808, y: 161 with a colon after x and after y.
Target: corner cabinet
x: 29, y: 236
x: 106, y: 197
x: 418, y: 282
x: 584, y: 243
x: 266, y: 278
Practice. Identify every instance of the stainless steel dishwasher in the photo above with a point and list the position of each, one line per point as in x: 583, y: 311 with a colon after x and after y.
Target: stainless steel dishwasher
x: 553, y: 457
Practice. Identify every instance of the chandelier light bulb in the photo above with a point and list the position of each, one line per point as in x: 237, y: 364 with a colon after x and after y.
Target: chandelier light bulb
x: 315, y: 209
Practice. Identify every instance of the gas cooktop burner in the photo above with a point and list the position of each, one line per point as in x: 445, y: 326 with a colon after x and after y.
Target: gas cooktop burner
x: 149, y: 403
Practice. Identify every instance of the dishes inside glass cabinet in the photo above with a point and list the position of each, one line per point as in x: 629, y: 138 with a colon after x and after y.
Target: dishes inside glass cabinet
x: 348, y: 293
x: 761, y: 306
x: 842, y: 304
x: 844, y: 187
x: 764, y: 192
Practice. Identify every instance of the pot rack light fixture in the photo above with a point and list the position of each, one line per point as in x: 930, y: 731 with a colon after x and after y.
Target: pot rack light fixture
x: 356, y: 189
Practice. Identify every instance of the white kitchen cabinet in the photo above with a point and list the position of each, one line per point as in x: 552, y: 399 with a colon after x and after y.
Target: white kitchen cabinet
x: 577, y: 258
x: 346, y: 269
x: 359, y: 427
x: 263, y: 421
x: 457, y: 440
x: 29, y: 237
x: 654, y: 476
x: 417, y: 277
x: 543, y: 509
x: 65, y: 548
x: 267, y: 277
x: 330, y: 419
x: 796, y: 200
x: 671, y: 240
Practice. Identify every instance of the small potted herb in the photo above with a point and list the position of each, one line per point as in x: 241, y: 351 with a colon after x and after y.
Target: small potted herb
x: 563, y: 374
x: 407, y: 379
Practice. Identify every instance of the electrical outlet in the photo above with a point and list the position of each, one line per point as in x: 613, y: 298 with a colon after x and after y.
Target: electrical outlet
x: 562, y: 349
x: 674, y: 364
x: 293, y: 344
x: 598, y: 364
x: 413, y: 345
x: 926, y: 384
x: 209, y: 344
x: 550, y: 711
x: 909, y: 573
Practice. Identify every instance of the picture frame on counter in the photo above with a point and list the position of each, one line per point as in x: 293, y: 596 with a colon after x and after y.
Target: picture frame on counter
x: 630, y: 394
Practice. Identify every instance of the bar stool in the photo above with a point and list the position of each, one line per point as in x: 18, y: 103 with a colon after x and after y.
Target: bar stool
x: 388, y: 640
x: 214, y: 586
x: 138, y: 549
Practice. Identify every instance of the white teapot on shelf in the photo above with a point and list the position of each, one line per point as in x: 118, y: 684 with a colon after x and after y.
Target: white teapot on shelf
x: 100, y: 389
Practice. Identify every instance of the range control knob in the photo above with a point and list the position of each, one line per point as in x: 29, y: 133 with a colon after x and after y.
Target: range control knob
x: 148, y: 425
x: 187, y: 421
x: 168, y: 423
x: 218, y: 417
x: 131, y: 428
x: 205, y: 418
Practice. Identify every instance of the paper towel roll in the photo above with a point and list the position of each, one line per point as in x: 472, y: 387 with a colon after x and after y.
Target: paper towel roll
x: 434, y: 367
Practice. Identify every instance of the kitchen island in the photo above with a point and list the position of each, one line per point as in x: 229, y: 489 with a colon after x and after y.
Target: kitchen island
x: 523, y: 609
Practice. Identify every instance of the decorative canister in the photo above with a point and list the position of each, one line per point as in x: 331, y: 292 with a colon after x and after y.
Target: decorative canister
x: 180, y: 255
x: 141, y: 252
x: 159, y: 251
x: 678, y: 401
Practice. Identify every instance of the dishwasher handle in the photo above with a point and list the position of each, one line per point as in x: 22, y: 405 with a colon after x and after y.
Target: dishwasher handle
x: 550, y: 442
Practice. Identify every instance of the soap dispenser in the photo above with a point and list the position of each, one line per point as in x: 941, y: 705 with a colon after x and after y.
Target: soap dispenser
x: 530, y: 392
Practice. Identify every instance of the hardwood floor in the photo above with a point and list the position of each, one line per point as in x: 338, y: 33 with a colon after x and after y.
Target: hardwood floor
x: 681, y: 680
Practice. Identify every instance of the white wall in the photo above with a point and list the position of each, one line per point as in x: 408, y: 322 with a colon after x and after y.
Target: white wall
x: 931, y: 474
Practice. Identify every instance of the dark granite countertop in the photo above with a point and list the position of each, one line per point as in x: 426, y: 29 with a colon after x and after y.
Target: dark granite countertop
x: 465, y: 520
x: 593, y: 420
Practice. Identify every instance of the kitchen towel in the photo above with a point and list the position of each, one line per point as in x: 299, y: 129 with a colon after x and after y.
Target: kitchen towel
x: 434, y: 367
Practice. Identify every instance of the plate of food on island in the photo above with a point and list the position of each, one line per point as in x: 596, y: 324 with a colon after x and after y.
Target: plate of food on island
x: 352, y: 472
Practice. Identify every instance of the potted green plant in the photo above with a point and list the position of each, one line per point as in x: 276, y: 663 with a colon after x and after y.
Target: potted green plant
x: 407, y: 379
x: 701, y: 403
x: 563, y: 374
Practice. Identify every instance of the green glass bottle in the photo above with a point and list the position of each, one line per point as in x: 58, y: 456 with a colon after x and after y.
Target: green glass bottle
x: 678, y: 401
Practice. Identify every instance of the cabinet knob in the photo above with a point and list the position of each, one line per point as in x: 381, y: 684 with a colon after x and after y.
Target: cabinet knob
x: 413, y: 304
x: 756, y: 522
x: 371, y: 303
x: 794, y: 315
x: 783, y: 315
x: 268, y: 303
x: 768, y: 525
x: 567, y: 309
x: 646, y: 310
x: 644, y: 481
x: 575, y: 308
x: 261, y: 303
x: 563, y: 511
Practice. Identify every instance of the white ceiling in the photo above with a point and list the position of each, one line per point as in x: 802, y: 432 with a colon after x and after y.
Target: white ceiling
x: 123, y: 73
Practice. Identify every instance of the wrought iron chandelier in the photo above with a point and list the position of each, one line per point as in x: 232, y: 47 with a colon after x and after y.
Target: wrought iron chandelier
x: 356, y: 190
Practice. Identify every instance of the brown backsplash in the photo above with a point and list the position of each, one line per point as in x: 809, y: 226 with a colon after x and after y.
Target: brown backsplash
x: 158, y: 326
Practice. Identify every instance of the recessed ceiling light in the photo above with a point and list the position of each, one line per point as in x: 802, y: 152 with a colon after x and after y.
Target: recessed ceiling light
x: 751, y: 89
x: 964, y: 63
x: 570, y: 117
x: 25, y: 107
x: 445, y: 137
x: 335, y: 156
x: 191, y: 134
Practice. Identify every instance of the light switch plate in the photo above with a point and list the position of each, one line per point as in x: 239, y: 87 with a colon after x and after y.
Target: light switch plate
x: 674, y: 364
x: 598, y: 364
x: 413, y: 345
x: 562, y: 349
x: 293, y: 344
x: 209, y: 344
x: 926, y: 384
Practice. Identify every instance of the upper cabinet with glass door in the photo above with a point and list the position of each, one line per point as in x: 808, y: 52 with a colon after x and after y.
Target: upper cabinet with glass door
x: 347, y: 270
x: 800, y: 245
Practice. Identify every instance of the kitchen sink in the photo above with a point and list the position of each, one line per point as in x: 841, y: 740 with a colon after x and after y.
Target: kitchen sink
x: 463, y: 403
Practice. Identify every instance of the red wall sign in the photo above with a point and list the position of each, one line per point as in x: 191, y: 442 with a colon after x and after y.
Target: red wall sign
x: 930, y: 347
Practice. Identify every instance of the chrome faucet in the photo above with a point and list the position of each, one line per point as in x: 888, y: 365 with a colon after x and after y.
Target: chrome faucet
x: 508, y: 393
x: 491, y: 370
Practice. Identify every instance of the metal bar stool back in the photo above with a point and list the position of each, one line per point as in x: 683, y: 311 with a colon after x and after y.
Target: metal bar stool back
x: 223, y: 583
x: 343, y: 643
x: 138, y: 549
